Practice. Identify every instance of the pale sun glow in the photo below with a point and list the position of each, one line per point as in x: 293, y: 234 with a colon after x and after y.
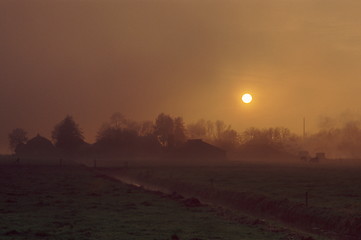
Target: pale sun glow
x: 246, y: 98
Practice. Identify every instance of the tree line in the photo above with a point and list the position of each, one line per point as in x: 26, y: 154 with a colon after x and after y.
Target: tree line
x: 121, y: 136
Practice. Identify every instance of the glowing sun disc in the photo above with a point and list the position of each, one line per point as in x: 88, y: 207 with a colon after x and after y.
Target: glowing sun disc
x: 247, y: 98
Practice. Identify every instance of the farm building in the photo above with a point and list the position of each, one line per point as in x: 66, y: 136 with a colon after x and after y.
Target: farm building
x: 36, y: 147
x: 199, y: 151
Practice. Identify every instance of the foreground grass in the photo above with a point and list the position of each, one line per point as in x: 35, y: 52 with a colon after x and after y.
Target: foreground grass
x: 276, y: 192
x: 337, y: 189
x: 75, y: 203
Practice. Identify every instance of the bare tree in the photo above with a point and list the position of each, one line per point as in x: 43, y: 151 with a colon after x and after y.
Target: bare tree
x: 220, y: 128
x: 179, y: 131
x: 164, y: 130
x: 117, y: 120
x: 16, y: 137
x: 198, y: 129
x: 228, y: 139
x: 147, y: 128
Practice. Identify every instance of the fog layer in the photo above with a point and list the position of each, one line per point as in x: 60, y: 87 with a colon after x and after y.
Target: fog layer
x: 187, y: 58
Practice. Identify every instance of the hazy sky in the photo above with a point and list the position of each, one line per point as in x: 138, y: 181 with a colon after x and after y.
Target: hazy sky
x: 190, y: 58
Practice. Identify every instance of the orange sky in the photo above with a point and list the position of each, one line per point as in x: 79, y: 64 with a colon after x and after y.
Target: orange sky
x: 190, y: 58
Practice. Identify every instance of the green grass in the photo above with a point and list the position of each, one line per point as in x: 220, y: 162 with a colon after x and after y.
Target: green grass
x: 75, y: 203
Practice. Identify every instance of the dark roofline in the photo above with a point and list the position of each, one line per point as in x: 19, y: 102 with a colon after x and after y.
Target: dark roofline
x: 200, y: 141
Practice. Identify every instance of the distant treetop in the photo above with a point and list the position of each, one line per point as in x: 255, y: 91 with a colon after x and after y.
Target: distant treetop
x: 67, y: 135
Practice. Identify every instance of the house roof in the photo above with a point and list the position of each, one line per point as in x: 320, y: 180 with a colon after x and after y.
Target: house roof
x: 37, y: 146
x: 199, y: 144
x: 39, y: 141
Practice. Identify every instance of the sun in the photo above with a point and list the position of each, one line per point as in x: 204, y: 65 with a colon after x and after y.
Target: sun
x: 246, y: 98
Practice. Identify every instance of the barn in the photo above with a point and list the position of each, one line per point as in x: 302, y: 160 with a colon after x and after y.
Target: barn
x: 199, y: 151
x: 36, y: 147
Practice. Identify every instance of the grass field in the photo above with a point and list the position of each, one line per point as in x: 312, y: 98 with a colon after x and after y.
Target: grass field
x: 333, y: 193
x: 336, y: 188
x: 38, y: 202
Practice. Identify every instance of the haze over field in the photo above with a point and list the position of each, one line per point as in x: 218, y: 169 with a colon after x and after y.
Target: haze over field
x: 298, y: 58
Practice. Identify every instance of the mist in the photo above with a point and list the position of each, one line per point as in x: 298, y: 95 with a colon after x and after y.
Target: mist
x: 192, y: 59
x: 339, y: 136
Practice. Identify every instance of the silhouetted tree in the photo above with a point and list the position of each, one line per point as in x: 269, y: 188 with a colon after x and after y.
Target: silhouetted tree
x: 16, y: 137
x: 117, y: 120
x: 275, y: 136
x: 340, y: 141
x: 113, y: 141
x: 221, y: 135
x: 107, y: 131
x: 201, y: 129
x: 115, y: 136
x: 179, y: 131
x: 197, y: 129
x: 146, y: 129
x: 67, y: 135
x: 220, y: 128
x: 271, y: 141
x: 228, y: 139
x: 164, y: 130
x: 252, y: 134
x: 133, y: 126
x: 210, y: 129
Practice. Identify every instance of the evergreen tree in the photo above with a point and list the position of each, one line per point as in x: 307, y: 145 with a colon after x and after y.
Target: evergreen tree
x: 68, y: 136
